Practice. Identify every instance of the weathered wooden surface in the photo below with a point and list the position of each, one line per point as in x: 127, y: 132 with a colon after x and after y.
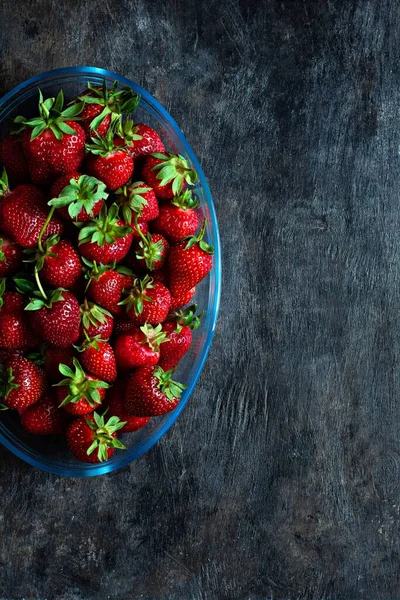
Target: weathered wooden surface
x: 281, y: 479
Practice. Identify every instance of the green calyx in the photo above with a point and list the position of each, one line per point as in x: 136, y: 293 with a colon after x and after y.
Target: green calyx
x: 150, y: 251
x: 38, y: 301
x: 89, y: 342
x: 38, y: 256
x: 51, y: 116
x: 128, y: 132
x: 104, y: 229
x: 121, y: 101
x: 81, y: 195
x: 4, y: 186
x: 2, y: 290
x: 172, y: 389
x: 2, y: 255
x: 92, y: 314
x: 137, y: 295
x: 154, y: 336
x: 7, y: 382
x: 38, y: 356
x: 130, y: 199
x: 175, y: 168
x: 186, y: 318
x: 198, y: 239
x: 185, y: 201
x: 79, y: 385
x: 103, y: 435
x: 105, y: 145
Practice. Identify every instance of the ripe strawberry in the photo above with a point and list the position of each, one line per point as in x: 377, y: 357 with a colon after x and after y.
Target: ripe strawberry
x: 78, y: 197
x: 10, y: 256
x: 58, y: 262
x: 53, y: 357
x: 148, y: 301
x: 115, y: 407
x: 151, y: 392
x: 105, y: 239
x: 92, y: 439
x: 13, y: 159
x: 124, y: 325
x: 189, y: 262
x: 139, y: 347
x: 137, y: 200
x: 149, y: 252
x: 95, y: 320
x: 177, y: 218
x: 44, y: 417
x: 56, y: 319
x: 109, y: 162
x: 150, y: 141
x: 21, y: 382
x: 103, y: 103
x: 98, y: 357
x: 168, y: 174
x: 23, y: 214
x: 106, y: 285
x: 79, y: 393
x: 53, y: 142
x: 182, y: 299
x: 15, y: 333
x: 179, y: 333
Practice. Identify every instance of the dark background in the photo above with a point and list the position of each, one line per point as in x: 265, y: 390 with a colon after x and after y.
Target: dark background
x: 280, y: 481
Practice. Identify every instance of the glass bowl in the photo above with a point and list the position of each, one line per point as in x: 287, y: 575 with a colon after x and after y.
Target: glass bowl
x: 51, y: 454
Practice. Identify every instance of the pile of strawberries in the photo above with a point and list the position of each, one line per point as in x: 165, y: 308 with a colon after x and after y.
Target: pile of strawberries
x: 100, y: 251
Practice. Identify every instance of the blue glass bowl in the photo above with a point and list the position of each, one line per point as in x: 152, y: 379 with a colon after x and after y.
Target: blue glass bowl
x: 51, y: 454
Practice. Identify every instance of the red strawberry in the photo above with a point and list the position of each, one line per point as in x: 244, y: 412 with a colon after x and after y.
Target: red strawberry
x: 137, y: 200
x: 189, y: 262
x: 148, y: 301
x: 53, y: 142
x: 15, y: 333
x: 177, y: 218
x: 109, y: 162
x: 114, y: 399
x: 182, y: 300
x: 179, y: 333
x: 79, y: 393
x: 13, y: 159
x: 106, y: 285
x: 105, y: 239
x: 151, y: 392
x: 10, y: 256
x: 149, y: 252
x: 102, y: 103
x: 150, y: 141
x: 56, y: 319
x: 92, y: 439
x: 168, y: 174
x: 53, y: 357
x: 23, y: 214
x: 44, y: 417
x: 98, y: 357
x: 139, y: 347
x: 78, y: 197
x: 95, y: 320
x: 124, y: 325
x: 58, y: 262
x: 22, y: 383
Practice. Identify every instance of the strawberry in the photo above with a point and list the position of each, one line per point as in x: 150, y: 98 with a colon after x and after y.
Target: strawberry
x: 13, y: 159
x: 168, y: 174
x: 178, y: 219
x: 44, y: 417
x: 181, y: 300
x: 150, y: 252
x: 106, y: 285
x: 106, y: 238
x: 148, y: 143
x: 178, y: 330
x: 137, y: 200
x: 148, y: 301
x: 56, y: 318
x: 115, y: 407
x: 53, y: 357
x: 92, y: 439
x: 102, y: 103
x: 139, y: 347
x: 78, y: 197
x: 189, y: 262
x: 58, y: 262
x: 79, y: 393
x: 24, y: 213
x: 95, y: 320
x: 109, y: 162
x: 53, y: 142
x: 124, y: 325
x: 151, y: 392
x: 10, y: 256
x: 21, y: 382
x: 97, y: 356
x: 15, y: 333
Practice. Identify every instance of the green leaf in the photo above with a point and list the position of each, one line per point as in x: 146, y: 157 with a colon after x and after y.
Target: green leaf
x: 66, y: 128
x: 72, y: 111
x: 35, y: 304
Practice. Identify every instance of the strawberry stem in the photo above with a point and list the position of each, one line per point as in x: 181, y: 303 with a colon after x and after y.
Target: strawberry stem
x: 39, y: 283
x: 47, y: 221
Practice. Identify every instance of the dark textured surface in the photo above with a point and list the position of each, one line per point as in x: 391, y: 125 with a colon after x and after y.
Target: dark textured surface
x: 280, y: 480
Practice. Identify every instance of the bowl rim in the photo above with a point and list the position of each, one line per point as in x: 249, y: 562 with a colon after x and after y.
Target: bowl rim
x: 86, y: 469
